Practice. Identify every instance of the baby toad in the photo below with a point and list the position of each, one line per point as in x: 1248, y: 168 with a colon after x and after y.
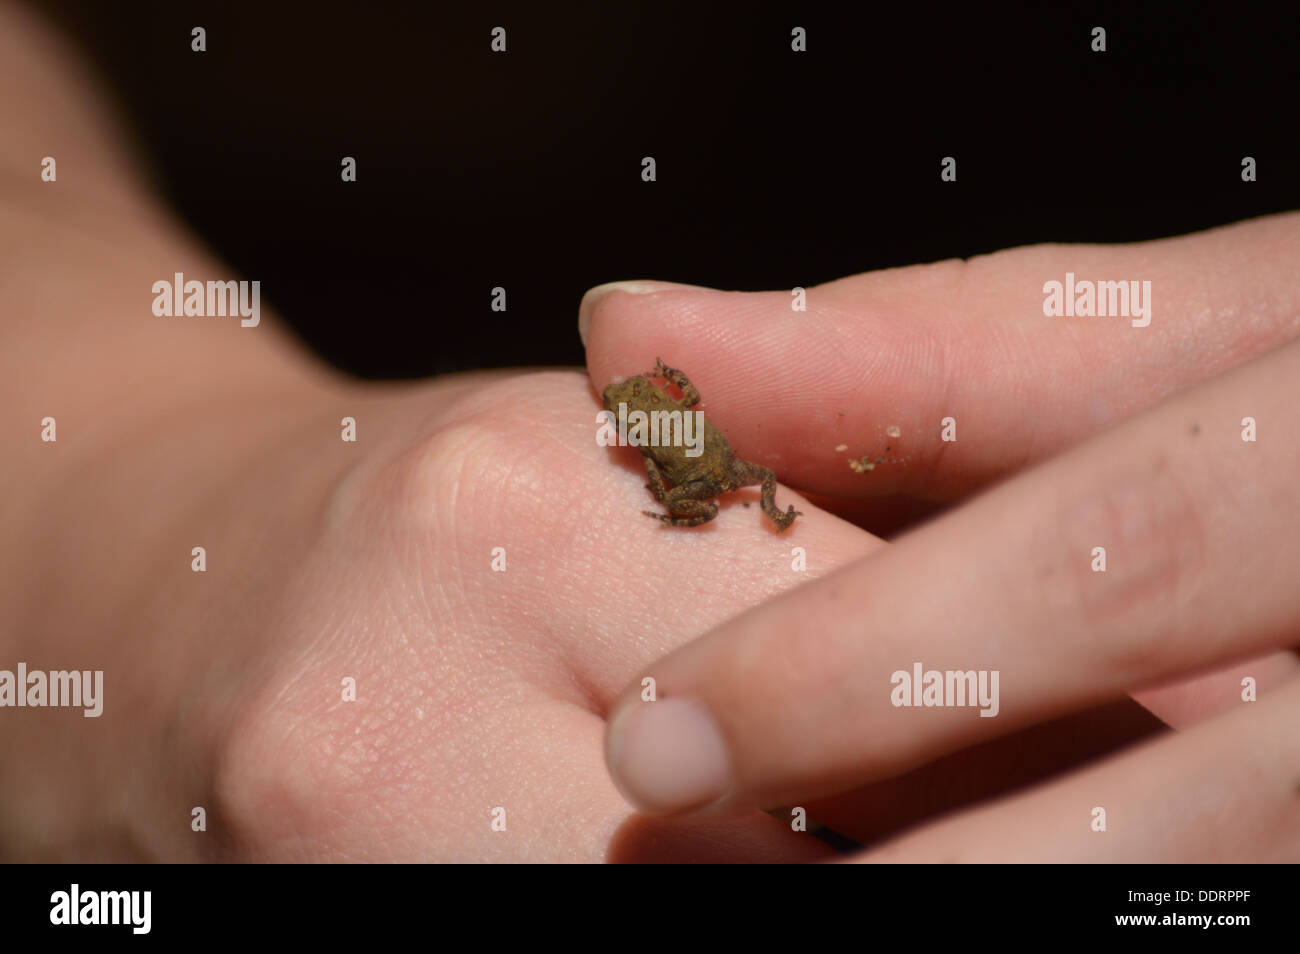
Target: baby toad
x: 686, y: 485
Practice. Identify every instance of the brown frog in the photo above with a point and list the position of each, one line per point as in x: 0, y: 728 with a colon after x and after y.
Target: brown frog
x: 688, y: 485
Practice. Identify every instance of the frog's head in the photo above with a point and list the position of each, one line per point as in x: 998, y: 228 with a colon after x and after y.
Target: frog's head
x: 634, y: 392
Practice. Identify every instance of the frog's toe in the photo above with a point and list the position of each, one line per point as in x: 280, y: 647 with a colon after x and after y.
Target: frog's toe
x: 784, y: 520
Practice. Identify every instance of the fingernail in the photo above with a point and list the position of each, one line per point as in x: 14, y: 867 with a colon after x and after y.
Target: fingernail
x: 594, y: 295
x: 668, y: 755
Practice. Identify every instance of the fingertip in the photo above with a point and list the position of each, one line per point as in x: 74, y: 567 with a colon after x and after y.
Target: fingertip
x: 668, y: 756
x: 637, y: 287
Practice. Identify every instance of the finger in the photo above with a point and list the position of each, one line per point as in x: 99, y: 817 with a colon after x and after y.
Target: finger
x: 1039, y: 752
x: 797, y: 697
x: 879, y: 360
x: 1225, y: 791
x: 1189, y: 701
x: 872, y: 813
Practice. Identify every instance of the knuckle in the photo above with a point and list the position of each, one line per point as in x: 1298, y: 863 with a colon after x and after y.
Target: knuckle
x: 474, y: 466
x: 496, y: 474
x: 297, y: 779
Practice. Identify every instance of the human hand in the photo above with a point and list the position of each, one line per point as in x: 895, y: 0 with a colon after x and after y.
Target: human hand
x: 1196, y: 523
x: 477, y: 687
x: 474, y: 567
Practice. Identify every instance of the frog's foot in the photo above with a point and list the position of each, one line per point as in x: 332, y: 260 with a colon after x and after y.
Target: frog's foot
x: 783, y: 520
x: 689, y: 505
x: 690, y: 395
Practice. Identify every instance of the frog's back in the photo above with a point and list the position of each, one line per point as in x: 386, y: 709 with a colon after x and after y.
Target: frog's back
x: 711, y: 464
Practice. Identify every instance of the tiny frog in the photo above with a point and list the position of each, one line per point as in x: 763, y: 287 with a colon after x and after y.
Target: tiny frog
x: 688, y: 486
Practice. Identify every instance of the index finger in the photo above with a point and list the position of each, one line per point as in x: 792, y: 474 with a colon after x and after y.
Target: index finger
x: 850, y: 398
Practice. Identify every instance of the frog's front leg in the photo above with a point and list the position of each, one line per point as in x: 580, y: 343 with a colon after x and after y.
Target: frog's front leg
x: 690, y: 396
x: 689, y: 505
x: 747, y: 474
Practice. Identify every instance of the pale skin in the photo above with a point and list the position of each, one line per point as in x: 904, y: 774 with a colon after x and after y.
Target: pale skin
x: 479, y: 689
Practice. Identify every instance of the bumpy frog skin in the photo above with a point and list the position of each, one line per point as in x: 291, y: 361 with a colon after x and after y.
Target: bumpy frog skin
x: 689, y: 486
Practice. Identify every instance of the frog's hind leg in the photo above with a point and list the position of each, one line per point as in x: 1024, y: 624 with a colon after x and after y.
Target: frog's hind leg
x: 750, y: 474
x: 705, y: 510
x: 687, y: 505
x: 690, y: 396
x: 656, y: 485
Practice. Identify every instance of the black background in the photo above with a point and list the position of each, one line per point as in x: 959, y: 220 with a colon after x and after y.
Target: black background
x: 775, y: 168
x: 916, y: 907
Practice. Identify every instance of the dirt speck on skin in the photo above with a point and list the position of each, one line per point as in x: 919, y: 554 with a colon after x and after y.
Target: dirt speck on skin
x: 1196, y: 429
x: 861, y: 465
x: 841, y: 448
